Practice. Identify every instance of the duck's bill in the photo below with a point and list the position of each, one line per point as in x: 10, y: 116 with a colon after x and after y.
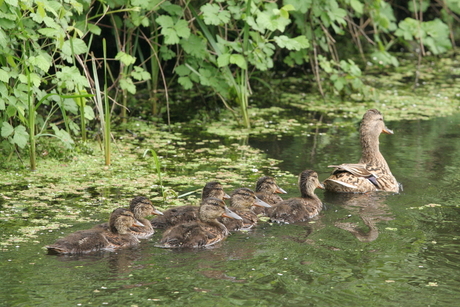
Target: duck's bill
x: 320, y: 186
x: 387, y: 131
x: 280, y: 191
x: 226, y: 196
x: 260, y: 203
x: 138, y: 224
x: 157, y: 212
x: 230, y: 214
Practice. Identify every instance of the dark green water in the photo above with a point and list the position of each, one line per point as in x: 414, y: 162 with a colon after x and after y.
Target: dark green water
x: 376, y: 250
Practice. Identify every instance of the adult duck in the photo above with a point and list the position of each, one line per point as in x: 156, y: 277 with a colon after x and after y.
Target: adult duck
x: 268, y: 191
x: 242, y: 202
x: 372, y: 173
x: 184, y: 214
x: 97, y: 239
x: 204, y: 232
x: 141, y: 207
x: 302, y: 208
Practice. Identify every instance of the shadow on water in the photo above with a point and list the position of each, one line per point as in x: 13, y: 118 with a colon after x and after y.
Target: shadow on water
x: 362, y: 250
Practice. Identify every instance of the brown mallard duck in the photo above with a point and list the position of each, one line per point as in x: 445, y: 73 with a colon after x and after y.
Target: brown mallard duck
x: 242, y: 202
x: 141, y: 207
x: 302, y: 208
x: 372, y: 172
x: 205, y: 232
x: 97, y: 239
x: 267, y: 190
x: 183, y: 214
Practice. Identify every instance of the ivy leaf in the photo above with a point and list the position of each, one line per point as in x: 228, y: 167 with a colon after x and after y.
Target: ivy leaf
x: 20, y: 136
x: 125, y: 58
x: 7, y: 129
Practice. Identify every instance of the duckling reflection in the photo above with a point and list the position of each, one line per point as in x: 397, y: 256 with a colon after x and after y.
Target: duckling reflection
x: 205, y: 232
x: 370, y: 208
x: 183, y: 214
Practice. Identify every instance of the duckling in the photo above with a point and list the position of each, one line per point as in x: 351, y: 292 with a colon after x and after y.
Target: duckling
x: 242, y: 202
x: 372, y: 173
x: 302, y: 208
x: 141, y: 207
x: 183, y: 214
x: 86, y: 241
x: 267, y: 190
x: 205, y: 232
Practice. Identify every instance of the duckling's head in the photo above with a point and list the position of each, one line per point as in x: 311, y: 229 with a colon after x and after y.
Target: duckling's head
x: 212, y: 208
x: 214, y: 189
x: 268, y: 184
x: 141, y: 206
x: 121, y: 220
x: 373, y: 125
x: 244, y: 198
x: 308, y: 182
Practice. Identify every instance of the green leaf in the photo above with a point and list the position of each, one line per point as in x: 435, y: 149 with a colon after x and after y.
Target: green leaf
x: 79, y: 46
x: 223, y: 60
x: 63, y: 136
x: 182, y: 70
x: 125, y: 58
x: 127, y: 84
x: 89, y: 113
x: 213, y: 15
x: 171, y: 37
x: 20, y: 136
x: 42, y: 61
x: 195, y: 46
x: 357, y: 6
x: 182, y: 28
x: 185, y: 82
x: 7, y: 129
x: 4, y: 76
x: 140, y: 74
x: 94, y: 29
x: 239, y: 60
x: 302, y: 6
x: 298, y: 43
x: 165, y: 21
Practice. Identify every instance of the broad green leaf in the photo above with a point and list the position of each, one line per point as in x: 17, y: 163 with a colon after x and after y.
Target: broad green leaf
x: 195, y: 46
x: 182, y: 70
x: 302, y: 6
x: 94, y: 29
x: 357, y: 6
x: 182, y: 28
x: 89, y: 113
x: 7, y: 129
x: 213, y: 15
x: 223, y: 60
x: 42, y: 61
x: 127, y: 84
x: 297, y: 43
x: 4, y: 75
x: 140, y: 74
x: 125, y: 58
x: 171, y: 37
x: 62, y: 135
x: 79, y: 46
x: 172, y: 9
x: 185, y: 82
x: 239, y: 60
x: 21, y: 136
x: 165, y: 21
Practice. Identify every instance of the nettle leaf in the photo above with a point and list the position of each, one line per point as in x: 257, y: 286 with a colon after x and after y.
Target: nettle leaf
x: 185, y: 82
x: 239, y: 60
x: 7, y: 129
x: 125, y: 58
x: 4, y: 76
x: 140, y: 74
x: 127, y: 84
x: 20, y: 136
x: 223, y: 60
x: 213, y: 15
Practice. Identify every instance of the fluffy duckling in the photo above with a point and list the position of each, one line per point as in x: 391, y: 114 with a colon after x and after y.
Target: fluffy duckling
x: 86, y: 241
x: 141, y: 207
x: 205, y: 232
x: 300, y: 208
x: 242, y: 202
x: 184, y: 214
x: 372, y: 173
x: 267, y: 190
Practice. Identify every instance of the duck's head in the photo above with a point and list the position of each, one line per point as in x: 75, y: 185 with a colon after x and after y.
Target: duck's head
x: 373, y: 124
x: 121, y: 220
x: 214, y: 189
x: 268, y: 184
x: 308, y: 182
x: 141, y: 206
x: 244, y: 198
x: 212, y: 208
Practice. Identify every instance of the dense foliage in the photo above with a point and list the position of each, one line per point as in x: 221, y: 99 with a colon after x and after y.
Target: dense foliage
x: 57, y: 77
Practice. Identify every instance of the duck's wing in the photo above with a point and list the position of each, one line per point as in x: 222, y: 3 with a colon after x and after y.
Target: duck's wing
x: 357, y: 169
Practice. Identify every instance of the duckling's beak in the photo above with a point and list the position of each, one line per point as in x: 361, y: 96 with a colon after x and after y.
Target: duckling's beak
x: 226, y: 196
x: 156, y: 212
x: 260, y: 203
x: 138, y: 224
x: 230, y: 214
x: 320, y: 186
x: 280, y: 190
x: 387, y: 131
